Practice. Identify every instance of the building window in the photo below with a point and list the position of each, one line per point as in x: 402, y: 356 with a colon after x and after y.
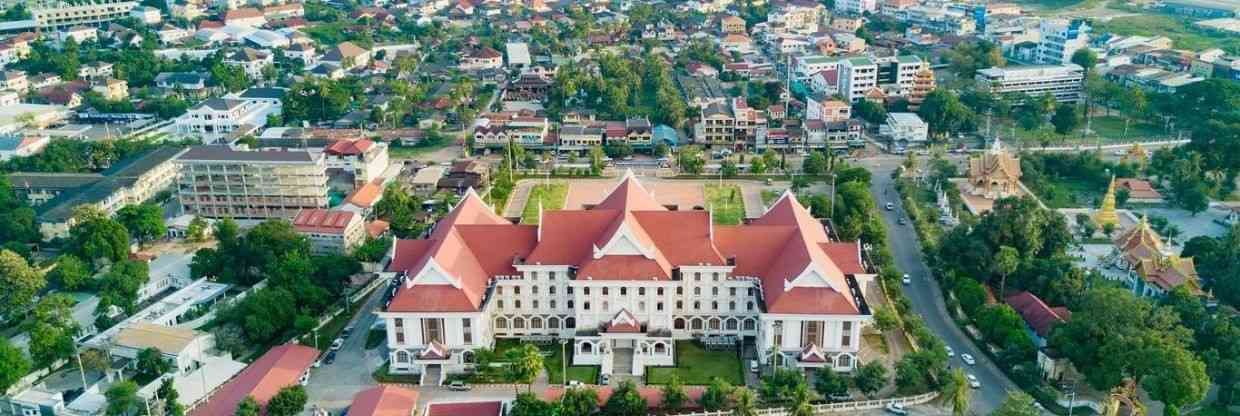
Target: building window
x: 658, y: 291
x: 680, y: 305
x: 731, y: 306
x: 697, y: 291
x: 847, y: 339
x: 585, y: 305
x: 402, y: 357
x: 641, y: 306
x: 551, y: 290
x: 569, y: 290
x: 697, y: 276
x: 467, y: 332
x: 518, y: 323
x: 749, y: 306
x: 585, y: 291
x: 516, y: 290
x: 778, y: 329
x: 534, y: 275
x: 570, y: 304
x: 604, y: 290
x: 714, y: 306
x: 715, y: 276
x: 536, y: 323
x: 499, y: 304
x: 697, y: 305
x: 731, y: 291
x: 432, y: 330
x: 534, y: 289
x: 680, y: 290
x: 714, y: 291
x: 641, y: 291
x: 516, y: 304
x: 606, y: 306
x: 811, y: 333
x: 535, y: 304
x: 658, y: 306
x: 553, y: 304
x: 550, y: 275
x: 400, y: 331
x: 499, y: 290
x: 624, y: 291
x: 553, y: 323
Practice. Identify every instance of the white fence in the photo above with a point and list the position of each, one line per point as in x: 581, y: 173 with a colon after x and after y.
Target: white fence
x: 834, y: 407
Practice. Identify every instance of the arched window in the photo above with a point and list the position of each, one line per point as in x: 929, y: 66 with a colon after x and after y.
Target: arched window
x: 697, y: 305
x: 551, y: 290
x: 501, y: 323
x: 714, y: 306
x: 750, y: 325
x: 696, y: 324
x: 844, y: 361
x: 518, y: 323
x: 697, y: 291
x: 730, y: 324
x: 553, y: 323
x: 659, y: 348
x: 402, y: 357
x: 714, y: 291
x: 570, y: 322
x: 731, y: 306
x: 535, y: 323
x: 714, y: 324
x: 587, y: 348
x: 534, y: 289
x: 678, y: 323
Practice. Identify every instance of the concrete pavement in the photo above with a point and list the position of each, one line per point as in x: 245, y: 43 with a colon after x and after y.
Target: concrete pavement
x: 925, y: 295
x: 332, y: 386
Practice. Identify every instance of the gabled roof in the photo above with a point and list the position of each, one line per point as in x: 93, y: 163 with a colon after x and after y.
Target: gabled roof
x: 1037, y: 314
x: 323, y: 221
x: 349, y: 147
x: 280, y: 367
x: 384, y: 400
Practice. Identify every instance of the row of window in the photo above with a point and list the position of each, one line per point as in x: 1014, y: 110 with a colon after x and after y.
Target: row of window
x: 641, y: 306
x: 624, y: 291
x: 433, y: 330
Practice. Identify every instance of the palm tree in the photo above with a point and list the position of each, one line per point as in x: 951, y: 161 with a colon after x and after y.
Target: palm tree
x: 957, y: 393
x: 1006, y: 261
x: 800, y: 401
x: 745, y: 402
x: 524, y: 364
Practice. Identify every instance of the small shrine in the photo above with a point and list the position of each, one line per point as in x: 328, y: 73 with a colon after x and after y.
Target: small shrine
x: 946, y: 216
x: 1106, y: 213
x: 994, y: 174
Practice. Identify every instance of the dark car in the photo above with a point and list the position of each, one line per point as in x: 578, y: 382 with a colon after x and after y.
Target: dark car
x: 330, y: 358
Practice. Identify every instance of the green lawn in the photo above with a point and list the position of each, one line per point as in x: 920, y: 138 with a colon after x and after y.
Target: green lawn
x: 551, y: 196
x: 1211, y: 411
x: 409, y: 152
x: 696, y: 366
x: 1067, y: 193
x: 553, y: 362
x: 1181, y: 31
x: 1110, y: 129
x: 727, y: 203
x: 769, y: 196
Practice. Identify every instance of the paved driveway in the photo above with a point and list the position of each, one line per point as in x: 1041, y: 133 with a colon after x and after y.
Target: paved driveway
x: 332, y: 386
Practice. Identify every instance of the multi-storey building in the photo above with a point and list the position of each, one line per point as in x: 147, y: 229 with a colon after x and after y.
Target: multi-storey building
x: 939, y: 19
x: 61, y: 15
x: 894, y: 75
x: 819, y: 106
x: 218, y: 182
x: 734, y: 125
x: 857, y: 76
x: 905, y: 130
x: 330, y: 231
x: 856, y: 7
x: 218, y: 117
x: 1065, y: 82
x: 796, y: 16
x: 495, y: 130
x: 923, y: 84
x: 621, y: 281
x: 365, y: 159
x: 577, y: 137
x: 1060, y: 39
x: 806, y: 66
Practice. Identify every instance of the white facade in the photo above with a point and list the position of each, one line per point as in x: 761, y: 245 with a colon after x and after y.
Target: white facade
x: 217, y: 117
x: 856, y: 7
x: 1065, y: 82
x: 856, y: 77
x: 1060, y: 39
x: 905, y: 130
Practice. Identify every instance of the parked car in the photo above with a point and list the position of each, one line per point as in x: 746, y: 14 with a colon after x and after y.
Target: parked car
x: 753, y: 366
x: 897, y: 409
x: 603, y: 379
x: 348, y: 330
x: 973, y: 382
x: 900, y: 220
x: 950, y: 353
x: 907, y: 280
x: 891, y: 206
x: 458, y: 385
x: 330, y: 358
x: 968, y: 359
x: 839, y: 397
x: 339, y: 342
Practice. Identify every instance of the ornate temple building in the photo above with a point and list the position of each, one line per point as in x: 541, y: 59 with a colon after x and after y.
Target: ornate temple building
x: 994, y: 174
x: 622, y: 281
x: 1151, y: 269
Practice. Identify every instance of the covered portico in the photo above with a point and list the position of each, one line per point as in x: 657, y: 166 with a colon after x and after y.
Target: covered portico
x: 624, y: 346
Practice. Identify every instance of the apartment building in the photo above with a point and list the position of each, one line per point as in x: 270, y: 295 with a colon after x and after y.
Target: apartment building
x: 905, y: 130
x: 1065, y: 82
x: 894, y: 75
x: 939, y: 19
x: 1060, y: 38
x: 54, y: 16
x: 495, y: 130
x: 856, y: 7
x: 622, y: 281
x: 857, y: 76
x: 796, y: 16
x: 819, y: 106
x: 577, y: 137
x: 806, y: 66
x: 732, y: 125
x: 330, y: 231
x: 218, y: 182
x: 365, y: 159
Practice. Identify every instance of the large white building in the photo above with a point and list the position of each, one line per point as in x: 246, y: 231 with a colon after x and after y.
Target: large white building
x: 1060, y: 39
x: 905, y: 130
x: 893, y: 75
x: 1065, y: 82
x: 856, y: 7
x: 59, y: 15
x: 623, y: 280
x: 216, y: 118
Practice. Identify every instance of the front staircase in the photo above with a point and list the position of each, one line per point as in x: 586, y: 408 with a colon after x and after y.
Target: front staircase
x: 622, y: 361
x: 432, y: 376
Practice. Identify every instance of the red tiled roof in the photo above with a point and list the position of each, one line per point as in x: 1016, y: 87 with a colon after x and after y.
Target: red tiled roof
x: 464, y: 409
x: 1037, y: 314
x: 280, y: 367
x: 624, y: 322
x: 366, y: 195
x: 846, y: 255
x: 1138, y: 189
x: 349, y: 147
x: 376, y: 228
x: 322, y: 221
x: 384, y: 400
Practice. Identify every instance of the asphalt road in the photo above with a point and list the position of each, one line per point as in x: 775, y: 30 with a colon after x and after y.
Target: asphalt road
x: 925, y: 294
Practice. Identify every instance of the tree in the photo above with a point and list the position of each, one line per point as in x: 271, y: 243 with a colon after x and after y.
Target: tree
x: 19, y: 283
x: 123, y: 399
x: 944, y: 113
x: 1086, y: 58
x: 579, y: 401
x: 1176, y: 377
x: 1017, y: 403
x: 801, y: 405
x: 145, y: 222
x: 13, y: 364
x: 661, y: 150
x: 1066, y: 119
x: 527, y: 404
x: 151, y: 364
x: 757, y: 166
x: 885, y: 319
x: 746, y: 403
x: 96, y: 237
x: 968, y: 57
x: 248, y: 407
x: 197, y: 230
x: 870, y: 378
x: 1006, y: 261
x: 1086, y: 225
x: 870, y: 111
x: 728, y: 169
x: 815, y: 164
x: 94, y: 360
x: 290, y: 401
x: 689, y: 158
x: 524, y: 364
x: 119, y: 286
x: 674, y: 396
x: 716, y: 395
x: 71, y: 273
x: 625, y: 401
x: 956, y: 393
x: 829, y: 383
x: 169, y: 395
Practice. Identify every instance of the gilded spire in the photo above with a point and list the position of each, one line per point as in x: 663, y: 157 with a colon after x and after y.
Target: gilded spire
x: 1106, y: 214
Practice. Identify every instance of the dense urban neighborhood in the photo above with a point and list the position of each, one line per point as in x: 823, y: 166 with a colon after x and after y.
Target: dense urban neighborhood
x: 619, y: 207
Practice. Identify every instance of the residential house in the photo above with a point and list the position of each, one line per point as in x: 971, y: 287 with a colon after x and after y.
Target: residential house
x: 478, y: 59
x: 216, y: 118
x: 905, y: 130
x: 251, y: 60
x: 330, y: 232
x: 347, y: 56
x: 364, y: 159
x: 1039, y: 317
x: 283, y: 366
x: 464, y: 175
x: 819, y: 106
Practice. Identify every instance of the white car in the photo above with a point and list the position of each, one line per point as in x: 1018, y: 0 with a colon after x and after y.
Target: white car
x: 907, y: 280
x: 973, y: 382
x: 896, y: 408
x: 950, y: 353
x: 339, y: 342
x: 891, y: 206
x: 753, y: 366
x: 968, y: 359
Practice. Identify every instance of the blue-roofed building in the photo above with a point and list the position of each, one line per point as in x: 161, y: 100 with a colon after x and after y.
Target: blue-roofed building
x: 667, y: 135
